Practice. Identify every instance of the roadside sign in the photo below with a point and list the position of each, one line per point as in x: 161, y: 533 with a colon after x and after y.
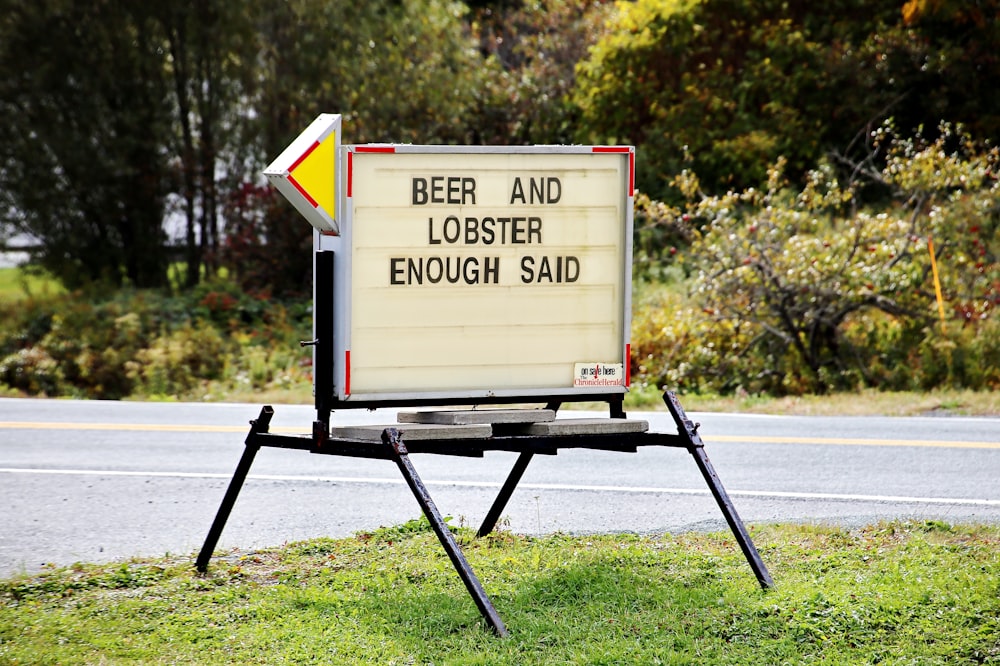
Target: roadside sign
x: 472, y: 275
x: 478, y: 272
x: 306, y: 172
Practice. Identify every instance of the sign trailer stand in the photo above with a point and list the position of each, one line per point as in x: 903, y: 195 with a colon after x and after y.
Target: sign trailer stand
x: 394, y: 446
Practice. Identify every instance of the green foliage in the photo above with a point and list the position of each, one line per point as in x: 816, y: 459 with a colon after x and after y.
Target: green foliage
x: 33, y: 371
x: 786, y: 281
x: 69, y: 346
x: 23, y: 282
x: 209, y: 57
x: 532, y: 50
x: 914, y: 592
x: 116, y: 110
x: 720, y: 86
x: 726, y: 87
x: 658, y: 234
x: 122, y: 114
x: 399, y: 71
x: 267, y: 250
x: 145, y: 343
x: 174, y: 364
x: 674, y: 345
x: 404, y: 72
x: 407, y: 530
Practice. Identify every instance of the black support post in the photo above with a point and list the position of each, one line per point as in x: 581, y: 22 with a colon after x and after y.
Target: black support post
x: 500, y: 503
x: 259, y: 425
x: 323, y: 359
x: 696, y: 447
x: 391, y: 437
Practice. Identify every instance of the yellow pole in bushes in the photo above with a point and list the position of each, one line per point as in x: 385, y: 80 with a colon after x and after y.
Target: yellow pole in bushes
x: 937, y: 280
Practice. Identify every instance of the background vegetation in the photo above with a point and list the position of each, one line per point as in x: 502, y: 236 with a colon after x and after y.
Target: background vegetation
x: 211, y: 342
x: 795, y: 163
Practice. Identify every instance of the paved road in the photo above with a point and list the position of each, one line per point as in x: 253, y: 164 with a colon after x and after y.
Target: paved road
x: 97, y: 481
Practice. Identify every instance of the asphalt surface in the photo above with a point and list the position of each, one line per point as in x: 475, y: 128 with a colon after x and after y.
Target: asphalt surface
x: 101, y: 481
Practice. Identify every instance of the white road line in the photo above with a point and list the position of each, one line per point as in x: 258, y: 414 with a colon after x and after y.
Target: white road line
x: 759, y: 494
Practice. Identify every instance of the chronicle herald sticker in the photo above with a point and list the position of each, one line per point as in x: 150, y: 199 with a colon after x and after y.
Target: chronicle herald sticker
x: 598, y: 374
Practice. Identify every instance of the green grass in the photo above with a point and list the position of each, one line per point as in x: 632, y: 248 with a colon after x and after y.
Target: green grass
x: 17, y: 284
x: 898, y: 593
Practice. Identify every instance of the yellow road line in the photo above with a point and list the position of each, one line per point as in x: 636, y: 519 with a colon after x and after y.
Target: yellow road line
x: 743, y: 439
x: 141, y: 427
x: 853, y: 441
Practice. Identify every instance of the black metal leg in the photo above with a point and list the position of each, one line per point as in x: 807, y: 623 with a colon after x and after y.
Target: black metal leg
x: 500, y: 503
x: 617, y: 408
x: 733, y: 518
x: 259, y: 425
x: 696, y: 447
x: 391, y: 437
x: 323, y: 366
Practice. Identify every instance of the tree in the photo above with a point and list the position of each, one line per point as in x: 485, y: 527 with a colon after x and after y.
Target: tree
x: 534, y: 49
x: 210, y: 59
x: 398, y: 71
x: 726, y: 87
x: 82, y: 167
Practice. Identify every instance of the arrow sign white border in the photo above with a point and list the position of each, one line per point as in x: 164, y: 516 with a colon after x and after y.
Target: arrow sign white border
x: 279, y: 172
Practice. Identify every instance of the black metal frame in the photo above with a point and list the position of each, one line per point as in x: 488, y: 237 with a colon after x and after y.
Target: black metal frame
x: 393, y: 448
x: 504, y: 438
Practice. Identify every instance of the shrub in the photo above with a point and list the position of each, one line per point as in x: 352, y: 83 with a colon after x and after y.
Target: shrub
x: 175, y: 363
x: 150, y: 342
x: 91, y: 343
x: 33, y: 371
x: 812, y: 293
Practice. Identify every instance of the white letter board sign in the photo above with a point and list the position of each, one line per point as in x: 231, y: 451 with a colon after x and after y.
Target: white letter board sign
x: 477, y: 272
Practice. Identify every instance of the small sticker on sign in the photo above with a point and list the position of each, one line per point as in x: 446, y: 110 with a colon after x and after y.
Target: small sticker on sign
x: 598, y: 374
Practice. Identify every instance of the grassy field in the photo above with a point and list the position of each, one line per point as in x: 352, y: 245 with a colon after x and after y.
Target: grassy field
x: 897, y: 593
x: 17, y: 284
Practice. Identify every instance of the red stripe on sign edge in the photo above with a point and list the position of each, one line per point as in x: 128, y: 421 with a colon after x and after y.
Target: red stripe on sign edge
x: 631, y: 173
x: 294, y: 182
x: 302, y: 191
x: 350, y: 173
x: 303, y: 156
x: 375, y: 149
x: 350, y: 162
x: 347, y: 372
x: 628, y: 364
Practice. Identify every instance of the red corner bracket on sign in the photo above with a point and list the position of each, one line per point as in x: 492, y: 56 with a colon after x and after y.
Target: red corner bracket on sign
x: 350, y: 162
x: 631, y: 162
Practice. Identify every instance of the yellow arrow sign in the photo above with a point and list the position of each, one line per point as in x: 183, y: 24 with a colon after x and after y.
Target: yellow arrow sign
x: 306, y: 172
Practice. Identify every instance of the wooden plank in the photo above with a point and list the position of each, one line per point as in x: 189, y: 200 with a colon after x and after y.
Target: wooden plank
x: 561, y: 427
x: 413, y: 432
x: 472, y: 416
